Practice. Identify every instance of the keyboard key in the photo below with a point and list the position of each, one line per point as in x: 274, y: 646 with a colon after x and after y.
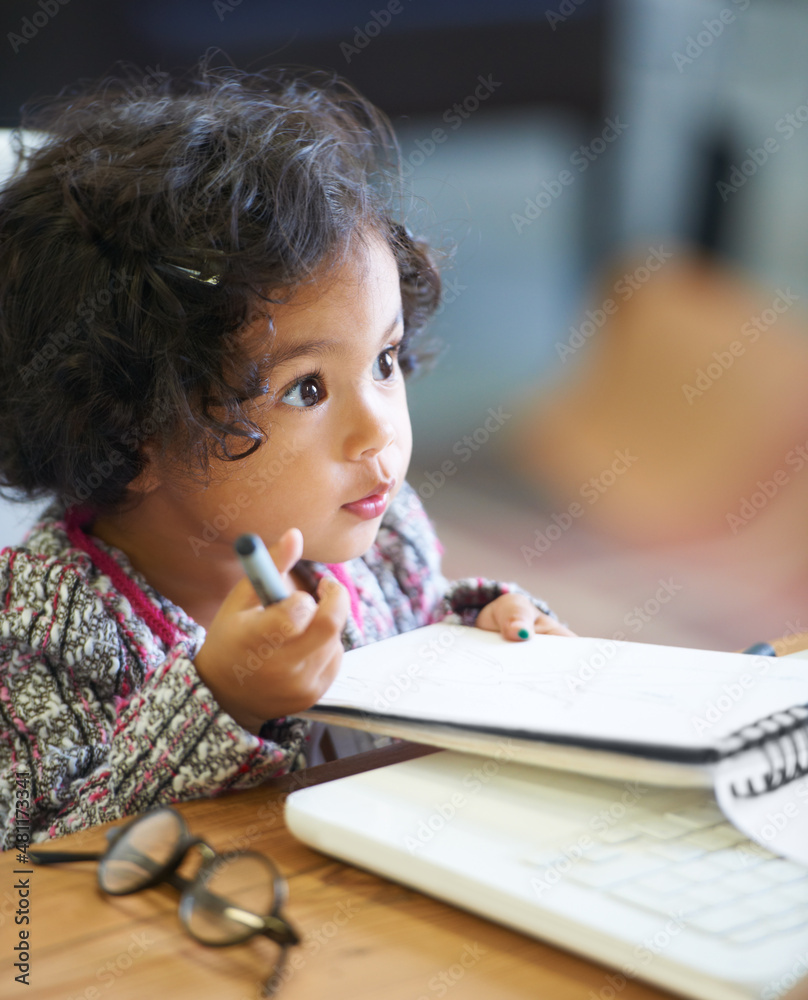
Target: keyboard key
x: 718, y: 920
x: 545, y: 857
x: 780, y: 870
x: 748, y: 882
x: 619, y: 834
x: 665, y: 881
x: 772, y: 903
x: 790, y: 921
x: 688, y: 903
x: 702, y: 870
x: 798, y: 891
x: 638, y: 895
x: 713, y: 838
x: 714, y: 893
x: 676, y: 850
x: 612, y: 872
x: 736, y: 860
x: 724, y: 836
x: 701, y: 816
x: 602, y: 852
x: 752, y: 933
x: 662, y: 827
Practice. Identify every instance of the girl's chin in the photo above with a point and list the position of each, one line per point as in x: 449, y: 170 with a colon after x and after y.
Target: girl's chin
x: 351, y: 545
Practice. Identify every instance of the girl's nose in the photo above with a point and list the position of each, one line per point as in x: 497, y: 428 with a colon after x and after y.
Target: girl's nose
x: 370, y: 430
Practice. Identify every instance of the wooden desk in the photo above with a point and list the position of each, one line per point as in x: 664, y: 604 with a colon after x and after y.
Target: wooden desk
x: 364, y: 938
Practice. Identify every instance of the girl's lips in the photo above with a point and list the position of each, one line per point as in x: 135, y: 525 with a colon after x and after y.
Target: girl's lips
x: 368, y: 507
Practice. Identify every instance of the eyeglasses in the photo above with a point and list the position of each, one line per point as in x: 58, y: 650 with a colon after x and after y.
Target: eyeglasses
x: 231, y: 898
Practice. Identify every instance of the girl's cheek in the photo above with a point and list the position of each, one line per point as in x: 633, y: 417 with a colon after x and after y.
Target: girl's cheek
x: 257, y: 484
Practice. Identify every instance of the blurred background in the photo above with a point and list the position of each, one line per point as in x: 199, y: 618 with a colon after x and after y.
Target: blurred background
x: 619, y: 417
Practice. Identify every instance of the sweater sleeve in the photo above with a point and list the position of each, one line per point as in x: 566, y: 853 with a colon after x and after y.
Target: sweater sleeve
x: 168, y: 742
x: 409, y: 542
x: 98, y: 722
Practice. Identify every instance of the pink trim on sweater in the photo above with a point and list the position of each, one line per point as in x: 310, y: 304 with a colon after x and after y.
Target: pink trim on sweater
x: 153, y: 616
x: 339, y: 571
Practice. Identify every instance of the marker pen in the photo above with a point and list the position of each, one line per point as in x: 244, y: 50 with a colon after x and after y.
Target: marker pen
x: 260, y: 568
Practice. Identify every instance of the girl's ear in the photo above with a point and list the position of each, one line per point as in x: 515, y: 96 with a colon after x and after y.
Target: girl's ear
x: 148, y: 479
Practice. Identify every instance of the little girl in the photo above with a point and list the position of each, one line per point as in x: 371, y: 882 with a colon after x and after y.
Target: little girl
x: 207, y: 314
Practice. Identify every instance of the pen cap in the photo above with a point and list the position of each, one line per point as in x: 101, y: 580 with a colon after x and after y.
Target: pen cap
x: 260, y: 568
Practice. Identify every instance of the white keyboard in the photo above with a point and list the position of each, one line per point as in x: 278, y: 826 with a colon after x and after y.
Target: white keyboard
x: 689, y: 863
x: 651, y: 882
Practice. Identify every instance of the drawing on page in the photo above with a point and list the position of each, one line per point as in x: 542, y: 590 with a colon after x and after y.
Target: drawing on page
x: 479, y: 674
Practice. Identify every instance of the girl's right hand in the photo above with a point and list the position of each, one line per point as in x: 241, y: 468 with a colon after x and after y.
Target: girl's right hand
x: 263, y: 663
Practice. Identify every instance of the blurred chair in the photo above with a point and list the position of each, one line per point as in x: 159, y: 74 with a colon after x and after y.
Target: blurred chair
x: 699, y: 380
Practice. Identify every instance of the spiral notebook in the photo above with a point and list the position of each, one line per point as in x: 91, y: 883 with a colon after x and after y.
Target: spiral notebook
x: 633, y: 711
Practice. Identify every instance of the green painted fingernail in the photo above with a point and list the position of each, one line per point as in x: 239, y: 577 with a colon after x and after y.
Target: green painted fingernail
x: 523, y: 633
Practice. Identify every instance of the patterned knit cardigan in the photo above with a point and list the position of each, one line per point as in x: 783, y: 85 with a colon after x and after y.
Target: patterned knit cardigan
x: 100, y: 703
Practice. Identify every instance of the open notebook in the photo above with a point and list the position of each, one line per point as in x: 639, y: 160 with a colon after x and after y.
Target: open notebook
x: 660, y: 714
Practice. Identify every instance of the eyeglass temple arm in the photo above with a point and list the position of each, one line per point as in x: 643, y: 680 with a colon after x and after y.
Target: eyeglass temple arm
x: 57, y: 857
x: 129, y: 854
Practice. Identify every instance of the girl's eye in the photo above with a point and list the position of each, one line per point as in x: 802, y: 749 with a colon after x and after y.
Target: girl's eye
x: 308, y: 391
x: 388, y: 366
x: 305, y: 393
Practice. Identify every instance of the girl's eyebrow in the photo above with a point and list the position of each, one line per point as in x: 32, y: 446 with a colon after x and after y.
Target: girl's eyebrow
x: 323, y: 348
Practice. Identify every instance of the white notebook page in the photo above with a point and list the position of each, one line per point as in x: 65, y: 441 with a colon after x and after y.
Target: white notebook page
x: 598, y: 689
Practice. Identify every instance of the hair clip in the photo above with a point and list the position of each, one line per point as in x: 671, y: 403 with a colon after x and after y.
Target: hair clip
x: 196, y: 275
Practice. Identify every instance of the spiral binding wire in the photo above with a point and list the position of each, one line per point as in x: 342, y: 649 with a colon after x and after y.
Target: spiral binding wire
x: 783, y: 737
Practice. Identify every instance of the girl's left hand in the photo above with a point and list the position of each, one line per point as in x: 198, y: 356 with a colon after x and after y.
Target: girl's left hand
x: 510, y: 613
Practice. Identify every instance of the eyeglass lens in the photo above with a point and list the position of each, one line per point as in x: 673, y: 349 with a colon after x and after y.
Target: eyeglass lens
x: 140, y: 852
x: 224, y: 897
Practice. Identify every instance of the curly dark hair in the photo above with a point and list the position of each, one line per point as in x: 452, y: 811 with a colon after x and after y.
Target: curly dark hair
x: 137, y: 241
